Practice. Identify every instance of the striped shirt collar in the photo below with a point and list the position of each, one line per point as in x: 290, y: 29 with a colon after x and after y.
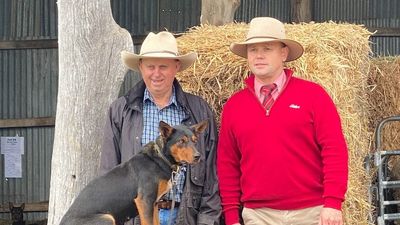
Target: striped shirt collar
x: 280, y: 83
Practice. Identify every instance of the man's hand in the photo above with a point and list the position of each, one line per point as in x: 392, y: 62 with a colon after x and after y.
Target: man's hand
x: 330, y: 216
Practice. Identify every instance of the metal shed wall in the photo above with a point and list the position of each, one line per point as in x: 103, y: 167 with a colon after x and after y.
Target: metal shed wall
x: 28, y: 87
x: 254, y: 8
x: 28, y: 90
x: 28, y: 20
x: 142, y: 17
x: 371, y: 13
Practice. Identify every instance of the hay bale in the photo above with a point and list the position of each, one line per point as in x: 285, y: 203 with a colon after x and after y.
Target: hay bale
x: 384, y: 96
x: 217, y: 73
x: 336, y: 56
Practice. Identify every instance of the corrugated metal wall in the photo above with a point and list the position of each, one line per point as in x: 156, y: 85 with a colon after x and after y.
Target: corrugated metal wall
x: 385, y: 46
x: 254, y: 8
x: 29, y: 77
x: 28, y: 90
x: 28, y: 19
x: 28, y: 87
x: 371, y: 13
x: 141, y: 17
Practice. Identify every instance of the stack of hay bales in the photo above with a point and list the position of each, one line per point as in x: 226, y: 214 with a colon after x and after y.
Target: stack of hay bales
x: 384, y: 82
x: 336, y: 56
x: 217, y: 73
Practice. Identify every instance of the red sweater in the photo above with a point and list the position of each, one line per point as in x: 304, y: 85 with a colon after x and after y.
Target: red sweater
x: 293, y: 158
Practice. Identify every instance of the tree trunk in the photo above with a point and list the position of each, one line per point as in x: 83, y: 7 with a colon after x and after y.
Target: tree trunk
x: 301, y: 10
x: 218, y: 12
x: 90, y: 75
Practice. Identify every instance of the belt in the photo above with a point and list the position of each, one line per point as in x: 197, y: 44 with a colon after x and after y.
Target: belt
x: 166, y: 204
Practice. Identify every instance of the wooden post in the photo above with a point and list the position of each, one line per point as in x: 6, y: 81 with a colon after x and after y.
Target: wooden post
x: 301, y: 10
x: 218, y: 12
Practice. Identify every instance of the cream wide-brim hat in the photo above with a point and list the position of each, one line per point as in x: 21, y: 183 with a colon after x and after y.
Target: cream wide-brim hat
x: 162, y: 45
x: 267, y: 29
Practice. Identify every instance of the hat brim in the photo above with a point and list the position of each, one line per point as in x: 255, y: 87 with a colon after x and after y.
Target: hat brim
x: 131, y: 60
x: 295, y: 48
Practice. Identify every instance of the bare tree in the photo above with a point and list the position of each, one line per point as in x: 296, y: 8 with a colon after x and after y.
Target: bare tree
x: 301, y: 10
x: 218, y: 12
x: 90, y: 75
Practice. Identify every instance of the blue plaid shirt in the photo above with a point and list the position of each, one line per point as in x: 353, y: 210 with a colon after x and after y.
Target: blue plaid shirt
x: 173, y: 114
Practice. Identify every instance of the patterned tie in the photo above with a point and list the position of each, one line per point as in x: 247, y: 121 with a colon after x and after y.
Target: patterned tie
x: 267, y: 90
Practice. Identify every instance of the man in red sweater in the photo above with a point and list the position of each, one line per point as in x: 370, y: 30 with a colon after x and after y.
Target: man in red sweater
x: 281, y: 152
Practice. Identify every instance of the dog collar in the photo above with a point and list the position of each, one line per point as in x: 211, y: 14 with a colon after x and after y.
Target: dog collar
x: 159, y: 145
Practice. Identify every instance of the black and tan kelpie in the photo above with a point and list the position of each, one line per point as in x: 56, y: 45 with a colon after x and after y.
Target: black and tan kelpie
x: 135, y: 186
x: 17, y: 213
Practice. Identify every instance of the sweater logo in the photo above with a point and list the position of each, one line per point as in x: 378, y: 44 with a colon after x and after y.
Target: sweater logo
x: 294, y: 106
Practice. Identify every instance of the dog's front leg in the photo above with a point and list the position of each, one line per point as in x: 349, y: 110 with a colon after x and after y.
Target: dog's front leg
x: 156, y: 218
x: 145, y: 206
x: 162, y: 188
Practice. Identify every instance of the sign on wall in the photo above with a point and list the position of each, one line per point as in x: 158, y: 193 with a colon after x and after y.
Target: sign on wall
x: 12, y: 148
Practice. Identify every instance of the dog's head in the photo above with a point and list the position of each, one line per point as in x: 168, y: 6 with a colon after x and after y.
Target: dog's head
x: 17, y: 212
x: 179, y: 141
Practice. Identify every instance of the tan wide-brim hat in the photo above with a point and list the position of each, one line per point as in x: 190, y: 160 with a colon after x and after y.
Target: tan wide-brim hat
x: 267, y: 29
x: 161, y: 45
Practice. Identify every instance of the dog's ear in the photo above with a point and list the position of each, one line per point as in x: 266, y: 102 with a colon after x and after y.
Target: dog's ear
x: 165, y: 130
x: 23, y: 206
x: 200, y: 127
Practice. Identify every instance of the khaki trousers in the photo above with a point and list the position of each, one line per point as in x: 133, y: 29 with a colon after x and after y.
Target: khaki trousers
x: 267, y: 216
